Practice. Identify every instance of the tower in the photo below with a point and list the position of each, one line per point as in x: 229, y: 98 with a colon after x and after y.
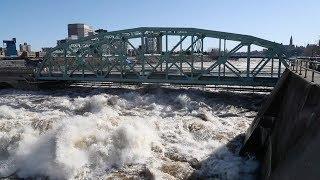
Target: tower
x: 291, y: 41
x: 79, y: 30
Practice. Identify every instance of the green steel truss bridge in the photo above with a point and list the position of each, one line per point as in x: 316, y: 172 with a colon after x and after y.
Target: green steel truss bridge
x: 165, y: 56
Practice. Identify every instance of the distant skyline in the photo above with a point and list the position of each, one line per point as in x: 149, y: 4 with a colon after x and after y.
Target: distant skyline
x: 40, y: 23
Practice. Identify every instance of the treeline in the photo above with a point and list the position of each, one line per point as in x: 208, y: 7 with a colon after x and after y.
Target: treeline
x: 309, y: 50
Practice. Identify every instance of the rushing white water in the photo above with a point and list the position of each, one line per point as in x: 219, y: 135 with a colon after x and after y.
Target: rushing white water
x: 141, y: 133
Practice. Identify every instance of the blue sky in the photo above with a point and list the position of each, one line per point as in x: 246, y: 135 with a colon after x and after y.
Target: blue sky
x: 42, y: 22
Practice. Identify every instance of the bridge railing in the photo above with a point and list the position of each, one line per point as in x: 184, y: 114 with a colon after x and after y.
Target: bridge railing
x: 308, y: 67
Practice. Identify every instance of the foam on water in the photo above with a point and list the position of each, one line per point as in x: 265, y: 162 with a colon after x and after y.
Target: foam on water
x: 121, y: 133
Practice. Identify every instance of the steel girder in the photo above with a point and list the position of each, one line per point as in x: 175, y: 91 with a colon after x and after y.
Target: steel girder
x: 105, y: 57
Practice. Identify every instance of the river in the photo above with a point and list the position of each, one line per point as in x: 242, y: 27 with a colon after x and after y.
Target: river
x: 125, y: 132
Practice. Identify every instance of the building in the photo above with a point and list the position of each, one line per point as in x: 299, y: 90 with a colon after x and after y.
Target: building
x: 294, y: 51
x: 79, y: 30
x: 25, y: 47
x: 153, y: 44
x: 10, y: 47
x: 291, y: 41
x: 76, y: 31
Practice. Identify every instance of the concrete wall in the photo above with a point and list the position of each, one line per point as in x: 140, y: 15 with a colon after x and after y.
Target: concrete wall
x: 285, y: 134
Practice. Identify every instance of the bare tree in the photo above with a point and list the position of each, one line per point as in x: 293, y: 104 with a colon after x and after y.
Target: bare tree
x: 214, y: 53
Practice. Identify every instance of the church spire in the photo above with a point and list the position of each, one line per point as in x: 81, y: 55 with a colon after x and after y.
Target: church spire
x: 291, y: 41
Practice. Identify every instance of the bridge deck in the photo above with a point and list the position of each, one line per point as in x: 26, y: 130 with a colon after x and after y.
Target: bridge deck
x: 170, y: 78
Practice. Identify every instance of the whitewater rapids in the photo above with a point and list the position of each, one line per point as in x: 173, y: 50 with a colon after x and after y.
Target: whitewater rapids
x: 121, y: 133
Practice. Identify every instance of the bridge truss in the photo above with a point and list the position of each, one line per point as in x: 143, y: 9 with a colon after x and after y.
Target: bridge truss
x: 165, y: 55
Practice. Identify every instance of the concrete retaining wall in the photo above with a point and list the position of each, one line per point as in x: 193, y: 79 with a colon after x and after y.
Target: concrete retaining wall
x: 285, y: 135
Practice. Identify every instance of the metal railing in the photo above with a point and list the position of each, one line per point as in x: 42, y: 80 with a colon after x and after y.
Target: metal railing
x: 306, y: 65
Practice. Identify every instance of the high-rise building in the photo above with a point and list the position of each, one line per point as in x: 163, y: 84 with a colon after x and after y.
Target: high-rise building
x: 79, y: 30
x: 10, y: 47
x: 291, y: 41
